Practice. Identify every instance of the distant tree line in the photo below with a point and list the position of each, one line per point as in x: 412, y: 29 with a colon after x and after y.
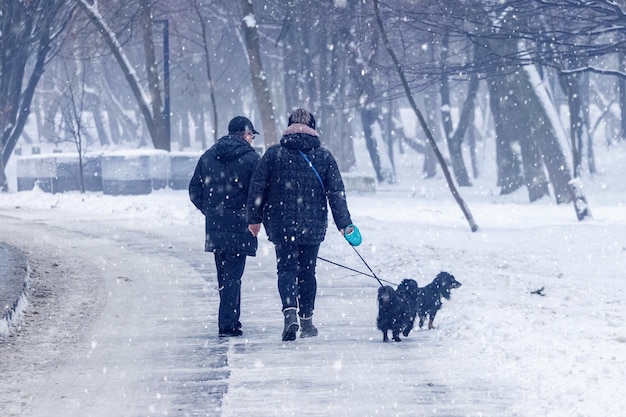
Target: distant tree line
x: 508, y: 71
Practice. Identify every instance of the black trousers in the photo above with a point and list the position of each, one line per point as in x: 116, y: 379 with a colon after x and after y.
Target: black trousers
x: 297, y: 284
x: 230, y: 268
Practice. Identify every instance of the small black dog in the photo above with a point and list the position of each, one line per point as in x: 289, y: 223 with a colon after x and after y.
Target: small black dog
x: 429, y: 298
x: 397, y: 309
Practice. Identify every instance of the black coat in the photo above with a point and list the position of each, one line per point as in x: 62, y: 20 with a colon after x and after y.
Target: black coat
x: 219, y: 189
x: 289, y: 198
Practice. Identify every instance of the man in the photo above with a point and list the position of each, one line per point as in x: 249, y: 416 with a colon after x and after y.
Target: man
x: 288, y: 194
x: 219, y: 189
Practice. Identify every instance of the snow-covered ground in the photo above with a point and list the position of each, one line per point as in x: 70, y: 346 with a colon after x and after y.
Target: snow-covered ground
x: 123, y: 319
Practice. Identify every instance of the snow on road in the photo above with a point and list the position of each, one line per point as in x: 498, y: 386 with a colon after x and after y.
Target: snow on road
x: 122, y: 320
x: 117, y: 327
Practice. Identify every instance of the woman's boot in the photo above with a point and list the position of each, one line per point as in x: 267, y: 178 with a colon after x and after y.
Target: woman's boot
x: 291, y: 324
x: 308, y: 330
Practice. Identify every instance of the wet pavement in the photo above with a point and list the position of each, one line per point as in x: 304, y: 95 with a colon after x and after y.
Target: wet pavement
x: 150, y: 347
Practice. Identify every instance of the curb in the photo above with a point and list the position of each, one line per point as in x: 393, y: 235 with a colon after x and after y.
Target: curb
x: 17, y: 282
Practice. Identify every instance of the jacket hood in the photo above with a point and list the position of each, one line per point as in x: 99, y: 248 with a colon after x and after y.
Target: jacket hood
x: 300, y: 137
x: 231, y: 146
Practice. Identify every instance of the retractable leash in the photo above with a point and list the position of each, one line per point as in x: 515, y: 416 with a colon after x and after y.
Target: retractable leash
x: 353, y: 236
x: 353, y: 270
x: 368, y: 267
x: 351, y: 232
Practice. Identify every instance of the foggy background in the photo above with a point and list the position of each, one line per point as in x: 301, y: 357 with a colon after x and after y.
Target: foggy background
x: 542, y: 81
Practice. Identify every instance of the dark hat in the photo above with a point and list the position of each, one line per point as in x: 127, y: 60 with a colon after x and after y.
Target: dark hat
x: 302, y: 116
x: 241, y: 124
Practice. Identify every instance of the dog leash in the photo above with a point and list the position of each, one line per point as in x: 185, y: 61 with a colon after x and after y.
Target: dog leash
x: 354, y: 270
x: 308, y: 161
x: 368, y: 267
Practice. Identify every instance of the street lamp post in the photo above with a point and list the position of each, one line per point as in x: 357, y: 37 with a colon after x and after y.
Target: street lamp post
x: 166, y: 77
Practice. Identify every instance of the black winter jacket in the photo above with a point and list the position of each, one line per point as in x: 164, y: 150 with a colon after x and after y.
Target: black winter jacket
x: 219, y: 189
x: 289, y: 198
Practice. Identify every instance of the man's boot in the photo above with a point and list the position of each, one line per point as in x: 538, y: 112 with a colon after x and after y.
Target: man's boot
x: 291, y: 324
x: 308, y: 330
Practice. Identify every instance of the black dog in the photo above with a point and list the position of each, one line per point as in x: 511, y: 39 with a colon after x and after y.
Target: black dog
x: 397, y: 309
x: 429, y: 298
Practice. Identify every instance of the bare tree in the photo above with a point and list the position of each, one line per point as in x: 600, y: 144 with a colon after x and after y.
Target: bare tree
x: 73, y: 111
x: 160, y: 131
x: 431, y: 140
x: 150, y: 105
x: 454, y: 137
x: 27, y: 32
x: 197, y: 8
x: 316, y: 71
x: 259, y: 78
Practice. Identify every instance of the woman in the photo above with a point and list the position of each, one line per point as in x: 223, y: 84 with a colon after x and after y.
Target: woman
x: 288, y: 193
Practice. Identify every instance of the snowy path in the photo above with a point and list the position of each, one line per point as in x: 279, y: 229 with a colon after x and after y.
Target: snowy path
x: 134, y: 342
x: 122, y: 319
x: 123, y: 324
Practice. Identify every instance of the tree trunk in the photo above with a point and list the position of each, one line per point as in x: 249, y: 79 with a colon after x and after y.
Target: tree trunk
x: 543, y: 129
x: 24, y: 31
x: 200, y: 134
x: 364, y: 86
x: 185, y: 140
x: 622, y: 96
x: 97, y: 104
x: 580, y: 202
x: 455, y: 137
x: 156, y: 132
x: 464, y: 208
x: 581, y: 125
x: 584, y: 93
x: 161, y: 137
x: 362, y: 76
x: 368, y: 119
x: 11, y: 131
x: 291, y: 58
x: 455, y: 141
x: 335, y: 131
x: 509, y: 168
x: 530, y: 135
x: 259, y: 80
x: 471, y: 142
x: 389, y: 133
x: 534, y: 174
x: 570, y: 84
x: 429, y: 170
x: 207, y: 55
